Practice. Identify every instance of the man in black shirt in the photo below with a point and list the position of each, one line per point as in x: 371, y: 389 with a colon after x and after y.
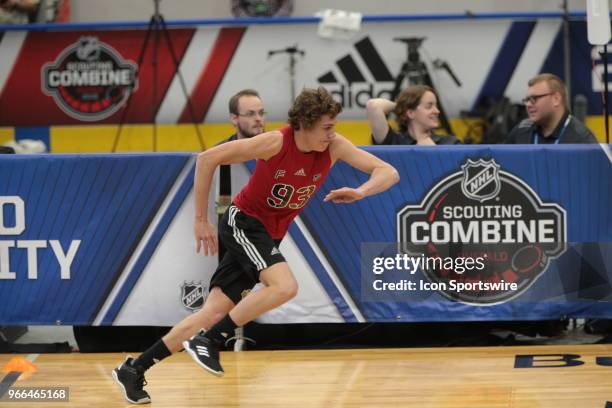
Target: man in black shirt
x: 248, y: 116
x: 550, y: 121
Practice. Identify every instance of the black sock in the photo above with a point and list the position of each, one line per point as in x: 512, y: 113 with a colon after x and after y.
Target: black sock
x: 221, y: 331
x: 152, y: 355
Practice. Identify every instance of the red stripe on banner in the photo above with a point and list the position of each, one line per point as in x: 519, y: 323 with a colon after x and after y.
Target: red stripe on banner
x: 208, y: 83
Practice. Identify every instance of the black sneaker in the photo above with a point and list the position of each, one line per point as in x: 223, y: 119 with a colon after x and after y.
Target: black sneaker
x: 132, y: 380
x: 205, y: 353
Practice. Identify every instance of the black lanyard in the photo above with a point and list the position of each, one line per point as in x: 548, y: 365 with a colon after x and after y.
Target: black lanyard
x: 536, y: 135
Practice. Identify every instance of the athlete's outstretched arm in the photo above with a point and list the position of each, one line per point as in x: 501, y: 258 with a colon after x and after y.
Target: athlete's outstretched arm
x: 382, y: 174
x: 262, y: 146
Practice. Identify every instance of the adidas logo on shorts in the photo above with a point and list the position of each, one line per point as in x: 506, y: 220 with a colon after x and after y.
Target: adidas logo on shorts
x: 275, y: 251
x: 300, y: 172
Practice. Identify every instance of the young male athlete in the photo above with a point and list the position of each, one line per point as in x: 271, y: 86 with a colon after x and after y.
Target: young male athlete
x: 292, y: 163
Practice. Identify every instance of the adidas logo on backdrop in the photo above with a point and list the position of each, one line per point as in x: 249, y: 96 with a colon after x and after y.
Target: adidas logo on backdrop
x: 355, y: 89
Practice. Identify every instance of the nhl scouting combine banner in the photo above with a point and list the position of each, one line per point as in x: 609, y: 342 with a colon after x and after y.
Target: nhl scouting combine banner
x: 469, y: 233
x: 497, y: 218
x: 89, y: 80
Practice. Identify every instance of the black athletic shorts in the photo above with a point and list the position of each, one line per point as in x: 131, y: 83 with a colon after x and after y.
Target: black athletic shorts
x: 249, y: 250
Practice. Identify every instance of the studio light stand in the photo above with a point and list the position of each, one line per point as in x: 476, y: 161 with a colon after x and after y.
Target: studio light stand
x: 291, y: 51
x: 157, y: 27
x: 599, y: 32
x: 606, y: 110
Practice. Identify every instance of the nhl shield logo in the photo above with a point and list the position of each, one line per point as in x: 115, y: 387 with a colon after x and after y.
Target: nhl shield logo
x: 192, y: 295
x: 480, y: 179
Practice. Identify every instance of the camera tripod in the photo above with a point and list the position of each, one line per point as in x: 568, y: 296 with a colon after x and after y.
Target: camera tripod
x: 157, y: 26
x: 415, y: 72
x: 291, y: 51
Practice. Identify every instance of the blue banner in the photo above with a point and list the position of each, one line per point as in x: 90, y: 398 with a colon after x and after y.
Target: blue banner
x: 80, y: 238
x: 69, y: 225
x: 557, y: 195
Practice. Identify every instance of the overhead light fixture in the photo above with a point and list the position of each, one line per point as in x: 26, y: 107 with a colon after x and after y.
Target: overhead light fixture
x: 339, y: 24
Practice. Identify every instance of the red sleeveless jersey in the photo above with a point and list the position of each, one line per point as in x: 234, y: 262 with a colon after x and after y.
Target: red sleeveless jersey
x: 282, y: 185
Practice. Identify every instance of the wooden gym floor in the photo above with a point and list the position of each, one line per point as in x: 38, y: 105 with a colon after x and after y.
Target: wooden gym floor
x: 428, y: 377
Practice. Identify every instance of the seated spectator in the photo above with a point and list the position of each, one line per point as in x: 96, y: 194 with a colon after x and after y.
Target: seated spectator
x: 417, y: 115
x: 550, y: 121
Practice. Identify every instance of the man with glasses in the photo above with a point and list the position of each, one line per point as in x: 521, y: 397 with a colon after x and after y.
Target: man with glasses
x: 550, y: 121
x: 246, y: 114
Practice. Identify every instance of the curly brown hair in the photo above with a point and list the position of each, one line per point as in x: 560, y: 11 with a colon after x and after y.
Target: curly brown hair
x: 310, y: 106
x: 409, y: 98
